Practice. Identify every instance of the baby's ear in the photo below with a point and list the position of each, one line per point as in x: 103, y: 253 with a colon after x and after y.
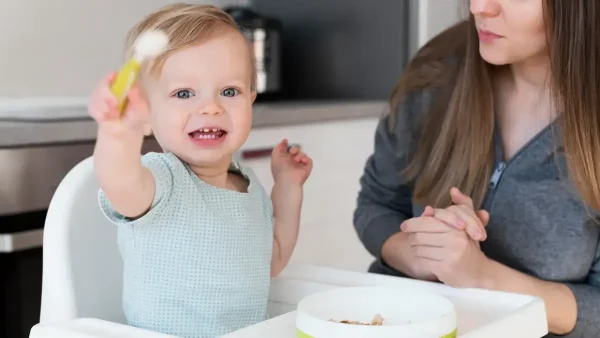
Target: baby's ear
x: 253, y: 95
x: 147, y: 129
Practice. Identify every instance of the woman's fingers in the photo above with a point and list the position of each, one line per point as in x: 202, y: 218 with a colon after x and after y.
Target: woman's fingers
x: 424, y: 224
x: 428, y: 211
x: 450, y: 218
x: 484, y: 216
x: 473, y: 227
x: 430, y: 252
x: 428, y: 239
x: 459, y: 198
x: 460, y: 216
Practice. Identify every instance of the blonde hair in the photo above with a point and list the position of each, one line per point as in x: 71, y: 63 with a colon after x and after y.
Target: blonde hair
x: 186, y: 25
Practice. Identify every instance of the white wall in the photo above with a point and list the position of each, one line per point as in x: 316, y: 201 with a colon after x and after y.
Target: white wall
x: 61, y: 47
x: 437, y: 15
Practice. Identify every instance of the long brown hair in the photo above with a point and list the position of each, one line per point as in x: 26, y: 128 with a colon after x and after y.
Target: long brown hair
x: 456, y: 143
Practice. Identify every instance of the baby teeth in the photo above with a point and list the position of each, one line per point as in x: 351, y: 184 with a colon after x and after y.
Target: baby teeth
x: 205, y: 137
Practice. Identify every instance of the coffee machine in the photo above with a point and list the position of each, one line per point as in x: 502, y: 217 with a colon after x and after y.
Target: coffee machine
x: 264, y: 35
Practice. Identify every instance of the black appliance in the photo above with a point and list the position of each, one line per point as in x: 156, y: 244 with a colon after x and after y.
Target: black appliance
x: 264, y: 34
x: 342, y: 49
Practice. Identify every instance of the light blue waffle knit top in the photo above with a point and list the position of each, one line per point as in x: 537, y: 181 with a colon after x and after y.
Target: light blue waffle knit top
x: 198, y: 263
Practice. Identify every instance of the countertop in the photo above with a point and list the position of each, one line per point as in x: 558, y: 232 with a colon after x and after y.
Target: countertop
x: 27, y: 123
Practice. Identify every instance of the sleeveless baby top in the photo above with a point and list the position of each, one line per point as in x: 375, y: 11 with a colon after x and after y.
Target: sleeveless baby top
x: 198, y: 263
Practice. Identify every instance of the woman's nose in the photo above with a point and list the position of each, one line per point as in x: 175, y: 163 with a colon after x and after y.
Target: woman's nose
x: 486, y: 8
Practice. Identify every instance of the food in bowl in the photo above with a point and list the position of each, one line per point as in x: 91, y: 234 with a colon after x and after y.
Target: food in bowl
x: 408, y: 313
x: 376, y: 321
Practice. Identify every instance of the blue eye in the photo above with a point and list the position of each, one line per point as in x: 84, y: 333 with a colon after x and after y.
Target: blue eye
x: 230, y: 92
x: 184, y: 94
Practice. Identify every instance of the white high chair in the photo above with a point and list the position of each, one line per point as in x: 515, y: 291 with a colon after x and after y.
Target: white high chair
x: 82, y: 285
x: 82, y: 274
x: 82, y: 267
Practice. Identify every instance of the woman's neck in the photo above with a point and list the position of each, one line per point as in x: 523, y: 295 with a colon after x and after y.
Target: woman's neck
x: 531, y: 74
x: 528, y: 83
x: 523, y: 104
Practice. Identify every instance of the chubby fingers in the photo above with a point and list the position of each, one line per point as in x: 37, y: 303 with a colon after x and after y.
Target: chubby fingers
x: 298, y: 155
x: 103, y: 104
x: 136, y: 110
x: 109, y: 98
x: 281, y: 148
x: 137, y: 99
x: 302, y: 158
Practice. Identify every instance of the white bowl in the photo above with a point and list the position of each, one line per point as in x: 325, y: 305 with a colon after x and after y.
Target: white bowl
x: 406, y: 313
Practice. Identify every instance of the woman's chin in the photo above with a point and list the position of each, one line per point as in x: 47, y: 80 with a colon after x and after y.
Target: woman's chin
x: 493, y: 56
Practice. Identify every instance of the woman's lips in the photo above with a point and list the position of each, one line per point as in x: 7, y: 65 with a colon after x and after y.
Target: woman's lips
x: 487, y: 36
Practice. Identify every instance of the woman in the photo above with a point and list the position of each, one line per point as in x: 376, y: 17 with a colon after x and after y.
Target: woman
x: 504, y: 107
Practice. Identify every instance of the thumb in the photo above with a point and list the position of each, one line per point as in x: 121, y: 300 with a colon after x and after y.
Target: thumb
x: 459, y: 198
x: 280, y: 148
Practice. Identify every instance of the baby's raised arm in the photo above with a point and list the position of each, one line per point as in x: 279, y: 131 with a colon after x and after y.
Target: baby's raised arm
x: 128, y: 185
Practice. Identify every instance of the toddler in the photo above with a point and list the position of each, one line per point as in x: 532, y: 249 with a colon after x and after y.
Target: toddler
x: 199, y: 236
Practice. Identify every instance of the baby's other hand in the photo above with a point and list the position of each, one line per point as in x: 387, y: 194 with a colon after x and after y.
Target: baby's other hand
x: 103, y: 108
x: 290, y: 166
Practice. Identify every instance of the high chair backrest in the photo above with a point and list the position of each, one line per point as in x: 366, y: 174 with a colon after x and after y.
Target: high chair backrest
x: 82, y: 268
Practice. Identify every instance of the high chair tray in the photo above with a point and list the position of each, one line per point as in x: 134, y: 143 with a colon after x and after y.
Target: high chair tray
x: 481, y: 313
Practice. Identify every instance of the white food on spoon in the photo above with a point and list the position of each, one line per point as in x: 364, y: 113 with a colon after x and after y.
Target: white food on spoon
x: 150, y: 44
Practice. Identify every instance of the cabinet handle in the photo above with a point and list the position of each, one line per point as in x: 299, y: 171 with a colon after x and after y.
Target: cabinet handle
x: 253, y: 154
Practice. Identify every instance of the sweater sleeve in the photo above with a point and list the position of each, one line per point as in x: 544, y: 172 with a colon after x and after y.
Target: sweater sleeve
x: 587, y: 295
x: 385, y: 199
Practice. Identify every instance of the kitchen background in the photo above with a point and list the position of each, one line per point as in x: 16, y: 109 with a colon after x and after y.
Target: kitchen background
x: 339, y: 60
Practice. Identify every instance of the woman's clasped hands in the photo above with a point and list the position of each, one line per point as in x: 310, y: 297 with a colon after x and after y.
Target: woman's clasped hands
x: 445, y: 242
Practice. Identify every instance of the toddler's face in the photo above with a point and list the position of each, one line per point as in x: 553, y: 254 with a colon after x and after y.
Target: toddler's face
x: 201, y: 105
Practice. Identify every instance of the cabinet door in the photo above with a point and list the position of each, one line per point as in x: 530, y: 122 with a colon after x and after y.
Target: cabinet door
x: 339, y: 150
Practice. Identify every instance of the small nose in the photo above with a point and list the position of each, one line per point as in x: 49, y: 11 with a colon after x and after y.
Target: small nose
x: 485, y: 8
x: 211, y: 108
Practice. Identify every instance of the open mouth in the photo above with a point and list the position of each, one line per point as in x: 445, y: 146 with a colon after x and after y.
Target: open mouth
x: 208, y: 134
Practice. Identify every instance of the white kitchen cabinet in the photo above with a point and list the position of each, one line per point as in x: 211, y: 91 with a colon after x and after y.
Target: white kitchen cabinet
x: 339, y: 150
